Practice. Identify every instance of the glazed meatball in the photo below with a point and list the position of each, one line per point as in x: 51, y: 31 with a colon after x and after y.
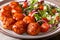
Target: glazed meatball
x: 7, y: 23
x: 28, y: 19
x: 19, y: 27
x: 9, y: 27
x: 13, y: 4
x: 5, y: 11
x: 6, y: 8
x: 2, y: 18
x: 33, y: 29
x: 18, y: 16
x: 5, y: 14
x: 17, y: 9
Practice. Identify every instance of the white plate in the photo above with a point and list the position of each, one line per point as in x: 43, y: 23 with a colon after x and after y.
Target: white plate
x: 25, y: 36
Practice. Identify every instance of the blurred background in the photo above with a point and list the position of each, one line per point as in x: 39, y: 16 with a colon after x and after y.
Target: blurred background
x: 4, y: 37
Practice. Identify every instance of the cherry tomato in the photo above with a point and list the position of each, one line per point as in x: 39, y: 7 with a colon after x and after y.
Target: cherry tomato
x: 45, y: 27
x: 18, y: 16
x: 54, y: 11
x: 45, y: 19
x: 13, y: 4
x: 41, y: 7
x: 25, y: 5
x: 28, y: 19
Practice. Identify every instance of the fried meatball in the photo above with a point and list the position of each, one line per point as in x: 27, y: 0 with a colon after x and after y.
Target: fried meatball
x: 19, y: 27
x: 18, y: 16
x: 13, y: 4
x: 2, y: 18
x: 7, y: 23
x: 17, y: 9
x: 5, y: 14
x: 28, y: 19
x: 7, y: 8
x: 5, y: 11
x: 33, y: 29
x: 9, y: 27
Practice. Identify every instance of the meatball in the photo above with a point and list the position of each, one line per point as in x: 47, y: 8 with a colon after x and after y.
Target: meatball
x: 5, y: 14
x: 33, y: 29
x: 5, y: 11
x: 7, y: 8
x: 18, y: 16
x: 13, y: 4
x: 17, y: 9
x: 2, y: 18
x: 7, y: 23
x: 9, y: 27
x: 28, y: 19
x: 19, y: 27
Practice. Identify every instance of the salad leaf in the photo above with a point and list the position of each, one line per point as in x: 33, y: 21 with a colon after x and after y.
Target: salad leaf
x: 31, y: 6
x: 37, y: 17
x: 58, y: 10
x: 42, y: 13
x: 53, y: 27
x: 45, y: 7
x: 49, y: 8
x: 52, y: 21
x: 32, y: 2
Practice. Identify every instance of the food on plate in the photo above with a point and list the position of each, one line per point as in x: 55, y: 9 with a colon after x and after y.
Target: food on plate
x: 19, y: 27
x: 18, y: 16
x: 25, y: 4
x: 28, y: 19
x: 13, y: 4
x: 8, y: 22
x: 33, y: 29
x: 31, y: 17
x: 7, y: 8
x: 45, y: 27
x: 17, y: 9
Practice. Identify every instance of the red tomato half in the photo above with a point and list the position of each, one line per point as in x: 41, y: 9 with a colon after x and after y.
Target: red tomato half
x: 25, y: 5
x: 45, y: 27
x: 41, y: 7
x: 45, y: 19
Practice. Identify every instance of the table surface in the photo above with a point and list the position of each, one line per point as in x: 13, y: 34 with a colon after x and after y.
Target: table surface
x: 4, y: 37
